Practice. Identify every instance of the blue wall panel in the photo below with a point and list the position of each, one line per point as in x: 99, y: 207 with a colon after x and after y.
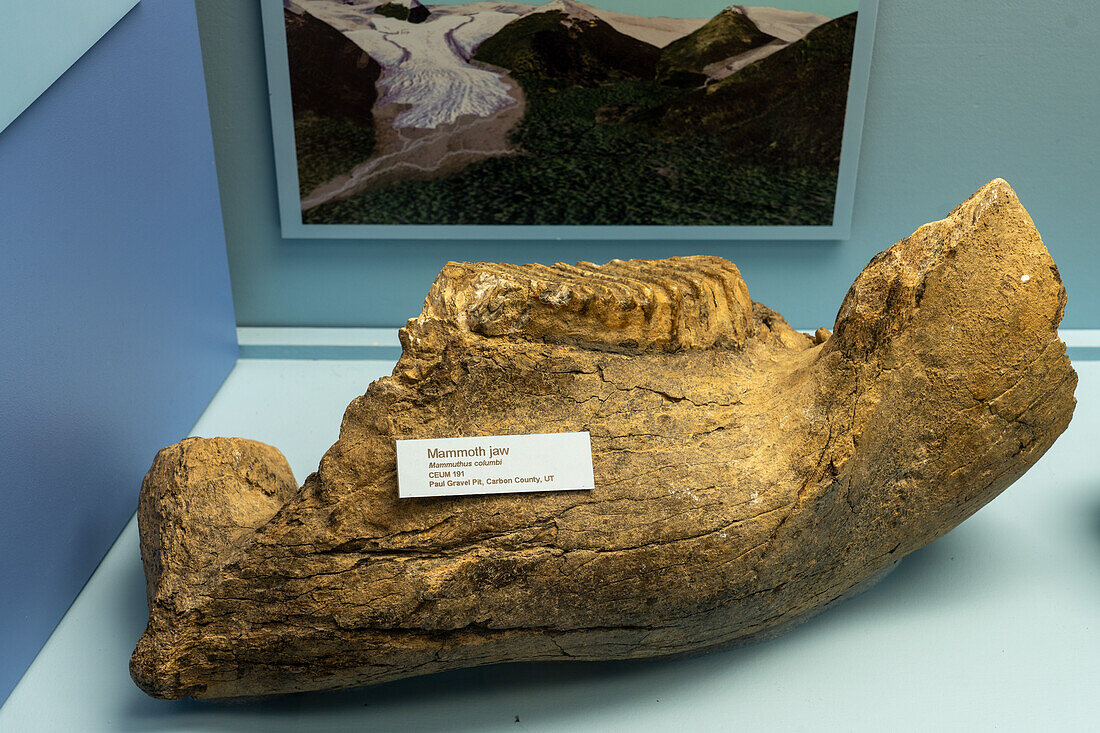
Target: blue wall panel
x: 39, y: 41
x: 116, y: 319
x: 960, y: 93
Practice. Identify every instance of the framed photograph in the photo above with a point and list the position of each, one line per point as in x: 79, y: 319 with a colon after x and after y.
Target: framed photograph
x: 615, y: 119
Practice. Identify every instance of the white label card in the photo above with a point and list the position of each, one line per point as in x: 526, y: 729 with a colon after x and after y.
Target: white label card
x: 494, y: 464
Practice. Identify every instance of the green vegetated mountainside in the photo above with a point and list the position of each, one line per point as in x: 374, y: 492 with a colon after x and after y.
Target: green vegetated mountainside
x: 332, y: 90
x: 604, y: 141
x: 728, y: 34
x: 790, y: 105
x: 412, y: 12
x: 555, y: 45
x: 396, y: 11
x: 584, y: 163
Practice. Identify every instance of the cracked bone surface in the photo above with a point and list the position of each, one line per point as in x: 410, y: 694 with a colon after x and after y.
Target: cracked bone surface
x: 747, y: 475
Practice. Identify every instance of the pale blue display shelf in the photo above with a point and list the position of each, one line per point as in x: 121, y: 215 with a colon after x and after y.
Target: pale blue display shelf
x: 994, y: 627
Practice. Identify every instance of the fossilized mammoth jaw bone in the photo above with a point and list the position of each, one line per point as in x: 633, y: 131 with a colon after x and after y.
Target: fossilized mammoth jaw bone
x: 746, y: 475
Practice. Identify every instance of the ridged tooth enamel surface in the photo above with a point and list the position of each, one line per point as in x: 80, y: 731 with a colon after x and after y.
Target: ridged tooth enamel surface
x: 641, y: 305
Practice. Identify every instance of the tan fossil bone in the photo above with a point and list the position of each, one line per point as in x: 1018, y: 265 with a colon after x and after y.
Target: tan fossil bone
x: 747, y: 475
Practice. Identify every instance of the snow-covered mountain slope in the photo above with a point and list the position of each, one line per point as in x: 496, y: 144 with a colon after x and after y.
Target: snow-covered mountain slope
x: 570, y: 8
x: 496, y: 16
x: 729, y: 67
x: 425, y: 65
x: 659, y: 31
x: 786, y: 25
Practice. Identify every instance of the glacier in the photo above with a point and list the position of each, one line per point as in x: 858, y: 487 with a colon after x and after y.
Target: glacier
x: 426, y: 65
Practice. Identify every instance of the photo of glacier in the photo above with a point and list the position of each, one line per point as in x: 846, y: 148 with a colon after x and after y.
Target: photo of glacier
x: 482, y: 113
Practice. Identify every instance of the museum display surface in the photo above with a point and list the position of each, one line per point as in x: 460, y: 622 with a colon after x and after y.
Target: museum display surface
x: 747, y: 475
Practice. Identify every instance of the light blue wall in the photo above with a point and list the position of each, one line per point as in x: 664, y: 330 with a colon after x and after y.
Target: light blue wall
x: 39, y: 41
x: 960, y: 93
x: 116, y: 321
